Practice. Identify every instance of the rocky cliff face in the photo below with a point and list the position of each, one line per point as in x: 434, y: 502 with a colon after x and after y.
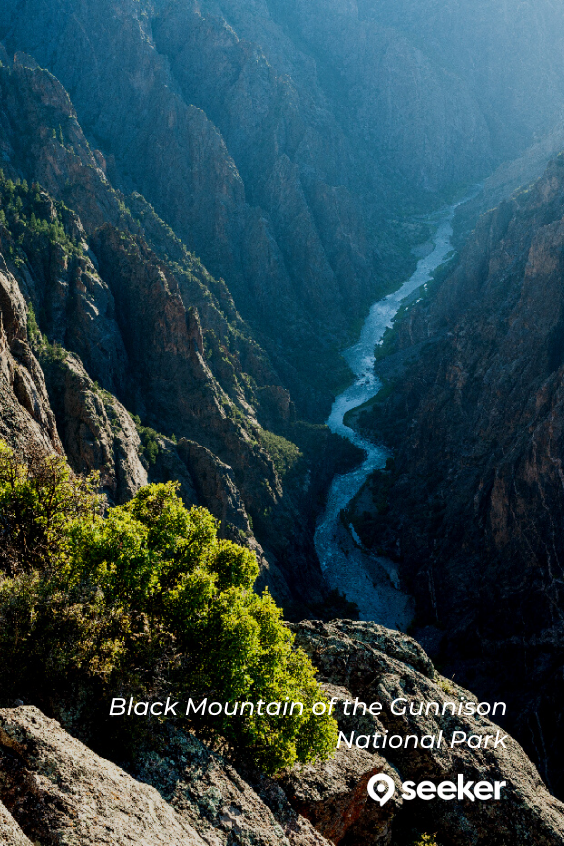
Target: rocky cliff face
x: 97, y: 432
x: 27, y: 419
x: 54, y: 790
x: 159, y: 142
x: 495, y: 50
x: 473, y: 502
x: 104, y: 310
x: 275, y: 138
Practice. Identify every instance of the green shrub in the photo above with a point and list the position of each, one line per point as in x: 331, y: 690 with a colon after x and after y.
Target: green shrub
x: 33, y: 333
x: 29, y: 221
x: 426, y: 840
x: 148, y: 601
x: 284, y: 453
x: 149, y: 448
x: 38, y: 502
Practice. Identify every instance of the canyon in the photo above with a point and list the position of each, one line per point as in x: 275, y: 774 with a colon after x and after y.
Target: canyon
x: 470, y: 504
x: 200, y: 202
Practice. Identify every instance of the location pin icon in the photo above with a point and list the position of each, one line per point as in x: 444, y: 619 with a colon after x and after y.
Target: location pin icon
x: 381, y: 788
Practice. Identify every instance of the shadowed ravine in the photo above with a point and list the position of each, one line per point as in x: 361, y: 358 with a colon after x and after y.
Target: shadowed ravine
x: 371, y: 581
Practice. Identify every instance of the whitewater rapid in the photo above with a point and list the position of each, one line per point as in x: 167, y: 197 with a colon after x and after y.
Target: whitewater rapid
x: 367, y: 579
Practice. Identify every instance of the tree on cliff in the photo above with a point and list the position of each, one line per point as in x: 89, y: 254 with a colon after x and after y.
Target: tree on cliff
x: 145, y: 601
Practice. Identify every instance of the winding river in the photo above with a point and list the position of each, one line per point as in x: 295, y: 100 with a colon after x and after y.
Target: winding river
x: 371, y: 581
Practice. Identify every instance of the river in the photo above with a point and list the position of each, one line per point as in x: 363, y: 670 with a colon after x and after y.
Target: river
x: 369, y: 580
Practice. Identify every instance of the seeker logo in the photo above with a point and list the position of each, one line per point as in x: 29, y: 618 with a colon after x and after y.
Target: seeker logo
x: 381, y: 788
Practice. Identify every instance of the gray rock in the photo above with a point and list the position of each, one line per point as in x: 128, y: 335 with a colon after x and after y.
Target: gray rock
x: 219, y: 803
x: 334, y: 797
x: 96, y: 430
x: 27, y: 421
x: 60, y: 792
x: 354, y: 662
x: 10, y: 832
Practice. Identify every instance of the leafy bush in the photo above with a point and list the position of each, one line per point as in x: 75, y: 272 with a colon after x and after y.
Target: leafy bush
x: 146, y: 602
x: 46, y: 352
x: 149, y: 448
x: 33, y: 333
x: 38, y: 502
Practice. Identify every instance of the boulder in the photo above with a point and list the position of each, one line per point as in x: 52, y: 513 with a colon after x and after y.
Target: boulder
x: 225, y: 808
x: 59, y: 792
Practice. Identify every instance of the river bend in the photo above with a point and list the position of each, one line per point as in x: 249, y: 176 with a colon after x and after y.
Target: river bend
x: 370, y: 581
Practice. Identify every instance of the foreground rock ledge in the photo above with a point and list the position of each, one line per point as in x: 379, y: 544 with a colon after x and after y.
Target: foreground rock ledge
x: 10, y: 832
x: 364, y: 660
x: 59, y: 792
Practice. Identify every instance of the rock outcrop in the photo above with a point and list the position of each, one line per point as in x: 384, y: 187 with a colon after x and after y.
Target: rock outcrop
x: 54, y: 790
x: 96, y: 430
x: 473, y: 501
x: 59, y: 792
x: 224, y: 808
x: 27, y: 421
x: 334, y: 795
x: 366, y: 662
x: 10, y: 832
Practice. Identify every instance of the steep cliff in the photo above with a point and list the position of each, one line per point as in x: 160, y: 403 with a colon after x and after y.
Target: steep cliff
x: 283, y: 141
x: 472, y: 502
x: 106, y: 310
x: 27, y: 419
x: 506, y: 54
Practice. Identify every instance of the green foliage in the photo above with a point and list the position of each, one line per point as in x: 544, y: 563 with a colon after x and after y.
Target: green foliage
x: 149, y: 449
x: 284, y: 453
x: 148, y: 601
x: 38, y: 501
x: 54, y: 231
x: 426, y: 840
x: 33, y: 333
x: 48, y: 352
x: 29, y: 218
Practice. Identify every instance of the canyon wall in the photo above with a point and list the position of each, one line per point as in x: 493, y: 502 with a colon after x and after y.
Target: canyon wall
x: 472, y: 501
x: 283, y: 142
x: 122, y: 351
